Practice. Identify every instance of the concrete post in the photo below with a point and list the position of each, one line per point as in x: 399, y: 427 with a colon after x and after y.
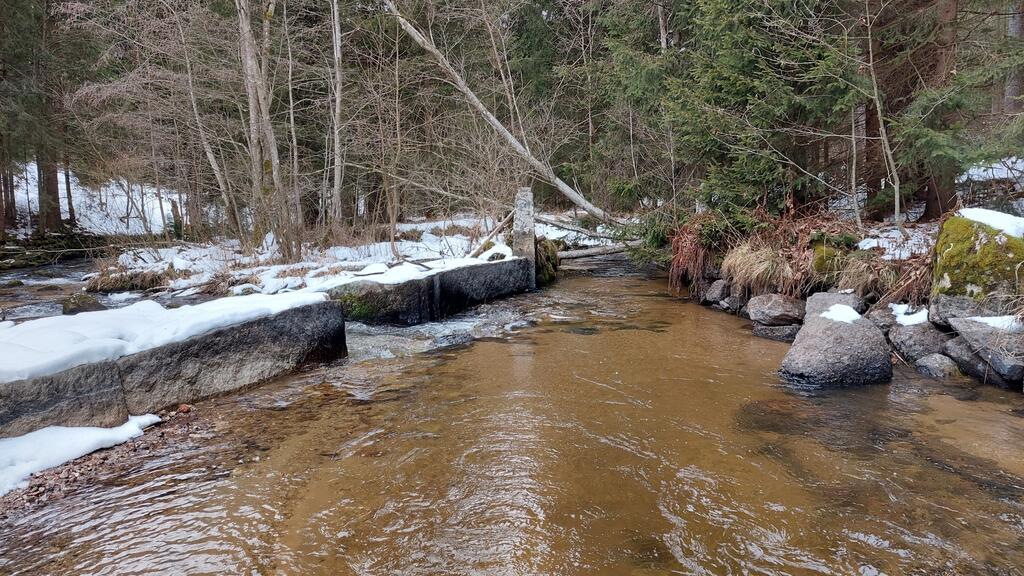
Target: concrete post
x: 523, y: 240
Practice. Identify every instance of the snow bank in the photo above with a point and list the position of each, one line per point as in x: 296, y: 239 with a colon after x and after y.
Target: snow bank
x: 99, y: 210
x: 1012, y: 225
x: 905, y: 318
x: 22, y: 456
x: 841, y: 313
x: 49, y: 345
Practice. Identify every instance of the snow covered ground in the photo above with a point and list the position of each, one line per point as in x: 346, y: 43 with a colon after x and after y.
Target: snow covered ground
x: 103, y: 210
x: 919, y: 239
x: 22, y: 456
x: 1011, y: 168
x: 49, y: 345
x: 433, y: 245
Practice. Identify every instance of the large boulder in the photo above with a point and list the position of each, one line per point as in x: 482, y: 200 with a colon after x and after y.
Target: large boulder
x: 937, y: 366
x: 1001, y: 348
x: 232, y: 357
x: 718, y: 291
x: 828, y: 352
x: 780, y: 333
x: 918, y: 340
x: 976, y: 260
x: 972, y: 364
x: 819, y: 302
x: 943, y: 307
x: 775, y: 310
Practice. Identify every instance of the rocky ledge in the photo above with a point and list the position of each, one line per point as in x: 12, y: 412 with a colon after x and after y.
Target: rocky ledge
x: 105, y: 393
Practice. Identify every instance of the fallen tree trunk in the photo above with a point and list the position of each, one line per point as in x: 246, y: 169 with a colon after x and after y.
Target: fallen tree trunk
x: 542, y: 168
x: 599, y: 251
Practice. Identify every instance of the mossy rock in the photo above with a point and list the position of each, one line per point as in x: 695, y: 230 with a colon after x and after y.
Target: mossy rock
x: 976, y: 260
x: 547, y: 261
x: 77, y: 303
x: 827, y: 260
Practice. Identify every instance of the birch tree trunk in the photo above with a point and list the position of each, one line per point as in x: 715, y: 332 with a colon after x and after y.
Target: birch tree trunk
x: 542, y: 168
x: 259, y: 103
x: 338, y: 163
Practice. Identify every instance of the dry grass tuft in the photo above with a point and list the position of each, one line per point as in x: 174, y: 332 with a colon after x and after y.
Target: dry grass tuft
x: 756, y: 269
x: 690, y: 258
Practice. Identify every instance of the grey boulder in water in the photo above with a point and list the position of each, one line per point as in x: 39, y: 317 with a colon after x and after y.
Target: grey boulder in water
x: 832, y: 353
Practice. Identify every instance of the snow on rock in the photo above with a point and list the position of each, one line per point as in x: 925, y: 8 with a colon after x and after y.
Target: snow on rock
x: 905, y: 318
x: 22, y: 456
x: 99, y: 210
x: 1007, y: 323
x: 49, y: 345
x: 841, y: 313
x: 1012, y: 225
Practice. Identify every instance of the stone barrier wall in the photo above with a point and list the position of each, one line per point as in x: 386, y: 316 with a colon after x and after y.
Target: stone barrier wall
x: 105, y: 393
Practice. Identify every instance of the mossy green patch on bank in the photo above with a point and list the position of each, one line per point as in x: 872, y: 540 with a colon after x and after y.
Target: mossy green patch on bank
x: 547, y: 261
x: 362, y: 306
x: 827, y: 260
x: 976, y: 260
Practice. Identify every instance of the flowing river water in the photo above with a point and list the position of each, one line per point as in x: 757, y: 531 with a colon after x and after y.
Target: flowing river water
x: 621, y: 432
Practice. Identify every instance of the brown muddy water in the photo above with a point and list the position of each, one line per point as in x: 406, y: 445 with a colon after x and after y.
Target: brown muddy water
x: 625, y: 432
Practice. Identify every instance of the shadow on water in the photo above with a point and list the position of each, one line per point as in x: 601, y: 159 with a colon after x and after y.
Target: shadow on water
x: 598, y: 427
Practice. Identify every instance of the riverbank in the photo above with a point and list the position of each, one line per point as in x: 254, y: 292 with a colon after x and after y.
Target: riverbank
x: 944, y: 299
x: 605, y: 428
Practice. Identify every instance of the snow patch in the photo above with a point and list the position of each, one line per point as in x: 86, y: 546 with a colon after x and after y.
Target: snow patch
x: 841, y: 313
x: 1011, y: 168
x: 905, y: 318
x: 22, y: 456
x: 1007, y: 323
x: 50, y: 345
x: 1012, y: 225
x: 919, y: 239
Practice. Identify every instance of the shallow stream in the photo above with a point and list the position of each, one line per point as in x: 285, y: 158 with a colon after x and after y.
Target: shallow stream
x: 605, y: 428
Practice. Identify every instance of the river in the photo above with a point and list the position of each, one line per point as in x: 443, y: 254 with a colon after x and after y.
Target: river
x: 620, y: 431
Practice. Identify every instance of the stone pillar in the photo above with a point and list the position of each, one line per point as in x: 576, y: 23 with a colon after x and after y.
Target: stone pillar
x: 523, y: 240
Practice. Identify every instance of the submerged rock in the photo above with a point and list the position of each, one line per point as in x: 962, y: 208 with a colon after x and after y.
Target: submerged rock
x: 77, y: 303
x: 1003, y: 350
x: 718, y: 291
x: 944, y: 307
x: 971, y: 363
x: 830, y: 353
x: 775, y: 310
x: 916, y: 341
x: 780, y: 333
x: 819, y: 302
x: 937, y: 366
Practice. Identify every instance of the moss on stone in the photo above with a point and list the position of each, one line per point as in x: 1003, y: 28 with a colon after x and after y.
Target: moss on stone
x: 827, y: 260
x: 360, y: 305
x: 547, y: 261
x: 976, y: 260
